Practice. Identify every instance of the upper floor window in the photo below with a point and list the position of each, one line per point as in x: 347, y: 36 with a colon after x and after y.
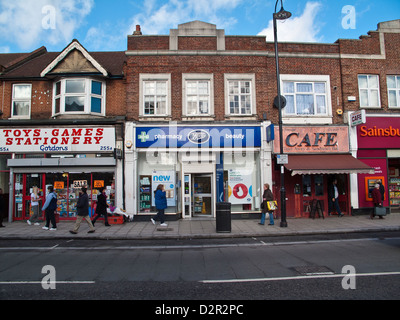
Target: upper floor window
x: 240, y: 94
x: 197, y: 94
x: 155, y: 94
x: 368, y: 86
x: 393, y: 84
x: 307, y: 96
x: 72, y: 96
x: 21, y: 101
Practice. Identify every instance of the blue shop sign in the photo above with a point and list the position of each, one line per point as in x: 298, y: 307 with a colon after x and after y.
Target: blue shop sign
x: 198, y: 137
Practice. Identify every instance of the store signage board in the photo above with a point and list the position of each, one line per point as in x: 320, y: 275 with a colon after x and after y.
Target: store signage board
x: 198, y: 137
x: 313, y: 139
x: 358, y: 117
x: 57, y: 140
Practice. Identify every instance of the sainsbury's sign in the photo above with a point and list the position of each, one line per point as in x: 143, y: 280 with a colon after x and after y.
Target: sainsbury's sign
x: 38, y: 140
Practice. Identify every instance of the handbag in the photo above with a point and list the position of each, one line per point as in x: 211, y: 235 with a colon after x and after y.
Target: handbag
x: 380, y: 211
x: 272, y: 205
x: 262, y: 205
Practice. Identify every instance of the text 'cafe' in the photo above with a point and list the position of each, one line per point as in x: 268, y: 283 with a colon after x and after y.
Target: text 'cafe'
x: 66, y: 158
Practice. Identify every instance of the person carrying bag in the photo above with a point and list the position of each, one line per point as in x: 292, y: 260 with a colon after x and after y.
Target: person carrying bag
x: 266, y: 206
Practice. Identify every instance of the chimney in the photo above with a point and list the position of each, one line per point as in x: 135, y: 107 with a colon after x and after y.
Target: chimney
x: 138, y: 32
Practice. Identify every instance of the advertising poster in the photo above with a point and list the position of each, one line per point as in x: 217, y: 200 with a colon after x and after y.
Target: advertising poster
x: 167, y: 178
x: 239, y: 186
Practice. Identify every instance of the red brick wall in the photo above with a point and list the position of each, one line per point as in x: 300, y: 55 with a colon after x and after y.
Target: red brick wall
x: 42, y: 98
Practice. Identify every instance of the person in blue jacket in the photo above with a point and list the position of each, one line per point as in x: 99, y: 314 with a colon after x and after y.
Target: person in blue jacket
x: 160, y: 198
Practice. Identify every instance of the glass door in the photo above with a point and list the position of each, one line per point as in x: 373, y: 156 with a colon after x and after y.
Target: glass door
x: 202, y: 195
x: 187, y: 196
x: 32, y: 180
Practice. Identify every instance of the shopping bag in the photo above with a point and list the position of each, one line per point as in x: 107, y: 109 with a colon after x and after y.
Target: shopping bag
x: 272, y: 205
x: 380, y: 211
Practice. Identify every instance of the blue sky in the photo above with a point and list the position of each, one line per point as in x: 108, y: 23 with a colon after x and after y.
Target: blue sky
x: 103, y: 25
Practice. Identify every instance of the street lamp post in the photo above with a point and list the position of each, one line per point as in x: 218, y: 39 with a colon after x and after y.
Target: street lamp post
x: 281, y: 15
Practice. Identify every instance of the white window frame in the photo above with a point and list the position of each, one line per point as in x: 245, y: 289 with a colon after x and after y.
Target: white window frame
x: 241, y: 77
x: 14, y: 99
x: 199, y: 77
x: 369, y: 91
x: 317, y: 118
x: 396, y: 89
x: 158, y: 77
x: 88, y: 95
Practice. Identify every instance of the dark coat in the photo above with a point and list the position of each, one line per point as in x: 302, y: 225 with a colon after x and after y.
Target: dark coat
x: 267, y: 196
x: 102, y: 205
x: 376, y: 197
x: 83, y: 205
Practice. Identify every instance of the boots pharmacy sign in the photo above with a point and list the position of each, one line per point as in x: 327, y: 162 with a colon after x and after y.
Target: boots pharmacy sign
x: 58, y: 140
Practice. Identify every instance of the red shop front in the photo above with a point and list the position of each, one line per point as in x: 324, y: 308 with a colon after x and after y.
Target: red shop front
x: 317, y: 155
x: 378, y: 142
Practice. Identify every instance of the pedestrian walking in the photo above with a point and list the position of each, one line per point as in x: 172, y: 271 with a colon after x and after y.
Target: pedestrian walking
x: 377, y: 199
x: 49, y: 207
x: 82, y: 207
x: 333, y: 198
x: 35, y: 207
x: 381, y: 189
x: 267, y: 196
x: 2, y: 208
x: 160, y: 199
x: 101, y: 207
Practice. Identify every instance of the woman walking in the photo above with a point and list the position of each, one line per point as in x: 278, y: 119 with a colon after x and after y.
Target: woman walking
x: 161, y: 204
x: 267, y: 196
x: 101, y: 207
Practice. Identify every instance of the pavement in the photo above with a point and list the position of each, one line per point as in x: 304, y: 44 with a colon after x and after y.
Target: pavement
x: 203, y: 229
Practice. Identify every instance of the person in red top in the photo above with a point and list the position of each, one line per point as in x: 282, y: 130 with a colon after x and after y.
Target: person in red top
x: 377, y: 199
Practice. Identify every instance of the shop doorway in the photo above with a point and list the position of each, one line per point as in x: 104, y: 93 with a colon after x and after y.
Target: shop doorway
x: 198, y: 195
x: 24, y: 184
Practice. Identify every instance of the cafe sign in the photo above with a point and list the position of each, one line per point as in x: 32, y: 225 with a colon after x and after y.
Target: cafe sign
x: 324, y: 139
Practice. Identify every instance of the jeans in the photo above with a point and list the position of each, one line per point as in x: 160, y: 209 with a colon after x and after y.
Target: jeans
x: 271, y: 217
x: 335, y: 205
x: 36, y: 214
x: 159, y: 216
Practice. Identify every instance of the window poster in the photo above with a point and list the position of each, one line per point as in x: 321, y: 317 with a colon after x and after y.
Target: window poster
x: 240, y: 186
x: 167, y: 178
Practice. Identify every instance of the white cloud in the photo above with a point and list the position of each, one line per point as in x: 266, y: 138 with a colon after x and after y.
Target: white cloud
x: 30, y: 23
x: 304, y: 28
x: 158, y: 19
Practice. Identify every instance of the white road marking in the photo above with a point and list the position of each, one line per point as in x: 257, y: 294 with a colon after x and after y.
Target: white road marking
x: 313, y: 276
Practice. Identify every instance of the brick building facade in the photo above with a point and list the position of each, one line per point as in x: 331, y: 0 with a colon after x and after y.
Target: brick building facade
x: 193, y: 110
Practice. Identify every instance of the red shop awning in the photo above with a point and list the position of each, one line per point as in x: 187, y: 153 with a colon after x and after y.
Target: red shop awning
x: 326, y: 164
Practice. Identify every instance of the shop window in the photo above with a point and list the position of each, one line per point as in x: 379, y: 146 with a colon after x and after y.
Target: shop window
x: 306, y: 186
x: 21, y: 101
x: 393, y: 85
x: 242, y: 181
x: 159, y: 168
x: 368, y: 86
x: 319, y: 185
x: 79, y: 96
